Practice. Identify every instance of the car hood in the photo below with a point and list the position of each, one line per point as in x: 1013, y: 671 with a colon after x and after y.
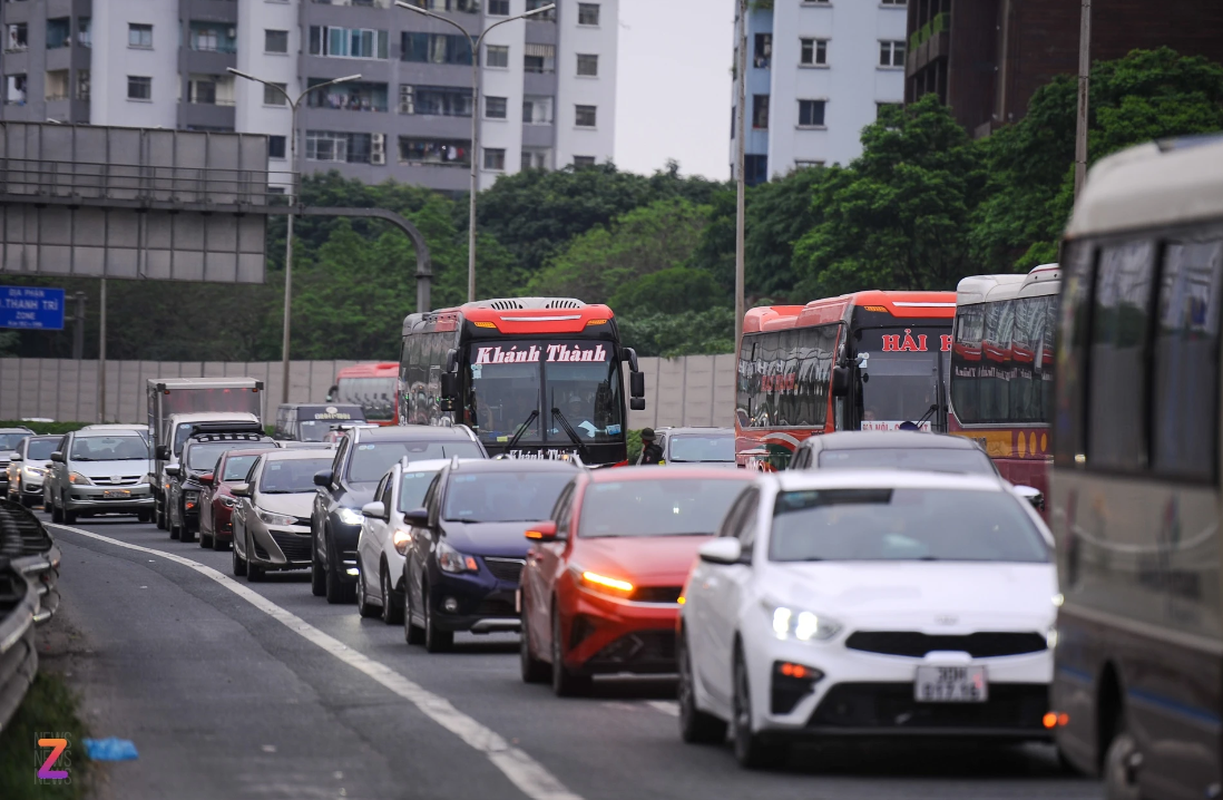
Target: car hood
x: 356, y: 496
x: 295, y: 505
x: 656, y: 560
x: 44, y: 465
x: 107, y: 469
x: 935, y: 597
x: 489, y: 538
x: 7, y: 455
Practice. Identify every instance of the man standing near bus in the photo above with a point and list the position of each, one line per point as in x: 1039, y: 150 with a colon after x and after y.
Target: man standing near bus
x: 651, y: 453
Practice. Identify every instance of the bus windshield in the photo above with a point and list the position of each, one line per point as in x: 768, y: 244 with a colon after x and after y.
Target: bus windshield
x: 558, y: 391
x: 901, y: 383
x: 375, y: 395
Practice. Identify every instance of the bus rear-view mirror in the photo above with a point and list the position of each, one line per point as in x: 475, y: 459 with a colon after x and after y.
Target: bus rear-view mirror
x: 163, y: 452
x: 636, y: 382
x: 450, y: 386
x: 840, y: 381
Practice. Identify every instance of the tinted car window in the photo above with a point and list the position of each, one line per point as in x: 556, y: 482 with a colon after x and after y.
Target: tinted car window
x: 702, y: 448
x: 291, y: 476
x: 371, y: 460
x: 204, y: 455
x: 903, y: 525
x: 237, y: 467
x: 655, y: 508
x: 972, y: 462
x: 109, y: 448
x: 503, y: 496
x: 40, y: 449
x: 412, y: 488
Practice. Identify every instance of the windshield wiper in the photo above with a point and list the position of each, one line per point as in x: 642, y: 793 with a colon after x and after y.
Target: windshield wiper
x: 522, y: 429
x: 556, y: 414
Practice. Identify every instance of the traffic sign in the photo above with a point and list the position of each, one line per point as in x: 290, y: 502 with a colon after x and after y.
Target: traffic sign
x: 32, y: 308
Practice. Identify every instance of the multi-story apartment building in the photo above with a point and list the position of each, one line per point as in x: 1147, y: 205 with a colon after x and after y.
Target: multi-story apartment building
x: 817, y: 73
x: 547, y: 84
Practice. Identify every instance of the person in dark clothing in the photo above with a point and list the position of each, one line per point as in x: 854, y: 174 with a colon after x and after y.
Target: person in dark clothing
x: 651, y: 453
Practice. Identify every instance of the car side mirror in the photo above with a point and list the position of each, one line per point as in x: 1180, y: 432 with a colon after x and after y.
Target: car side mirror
x: 840, y: 381
x: 205, y: 479
x: 376, y: 509
x: 417, y: 518
x: 542, y: 532
x: 241, y: 490
x: 16, y: 457
x: 58, y: 457
x: 173, y: 470
x: 1033, y: 495
x: 723, y: 550
x: 162, y: 453
x: 322, y: 478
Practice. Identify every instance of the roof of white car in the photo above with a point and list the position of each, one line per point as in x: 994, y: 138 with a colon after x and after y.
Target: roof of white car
x: 436, y: 464
x: 197, y: 416
x: 798, y: 480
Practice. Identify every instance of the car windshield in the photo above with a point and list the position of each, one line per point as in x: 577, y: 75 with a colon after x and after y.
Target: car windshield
x: 41, y: 449
x: 291, y: 475
x: 933, y: 459
x: 688, y: 507
x: 9, y: 441
x: 525, y: 496
x: 238, y: 467
x: 412, y: 488
x: 706, y: 448
x: 109, y: 448
x: 371, y: 460
x: 903, y: 525
x: 204, y: 455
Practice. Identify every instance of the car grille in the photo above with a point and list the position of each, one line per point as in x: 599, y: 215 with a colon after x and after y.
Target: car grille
x: 116, y: 480
x: 658, y: 594
x: 983, y: 644
x: 505, y: 569
x: 891, y: 706
x: 296, y: 547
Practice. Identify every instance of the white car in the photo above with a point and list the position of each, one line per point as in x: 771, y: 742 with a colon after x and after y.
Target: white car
x: 864, y: 602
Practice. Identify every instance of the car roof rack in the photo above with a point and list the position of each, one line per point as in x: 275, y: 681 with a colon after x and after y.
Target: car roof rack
x: 222, y: 426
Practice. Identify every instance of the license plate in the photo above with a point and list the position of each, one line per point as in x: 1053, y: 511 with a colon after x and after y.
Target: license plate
x: 936, y: 684
x: 116, y: 494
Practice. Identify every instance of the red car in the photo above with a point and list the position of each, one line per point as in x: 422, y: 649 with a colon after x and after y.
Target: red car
x: 600, y: 591
x: 217, y: 502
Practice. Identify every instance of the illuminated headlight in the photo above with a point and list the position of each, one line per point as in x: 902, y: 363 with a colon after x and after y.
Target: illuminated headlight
x: 604, y: 584
x: 1051, y: 637
x: 77, y: 479
x: 350, y: 516
x: 276, y: 519
x: 400, y: 539
x: 806, y: 626
x: 228, y: 502
x: 451, y: 560
x: 33, y: 472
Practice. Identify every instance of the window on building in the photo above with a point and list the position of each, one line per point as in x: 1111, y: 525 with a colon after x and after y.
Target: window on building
x: 813, y: 52
x: 16, y: 94
x: 444, y: 152
x: 202, y: 91
x: 16, y: 37
x: 762, y: 51
x: 588, y: 65
x: 348, y: 96
x: 537, y: 110
x: 276, y: 147
x: 496, y: 55
x: 139, y: 87
x: 588, y: 13
x: 580, y: 162
x: 760, y: 111
x: 433, y: 48
x: 498, y: 8
x: 548, y: 16
x: 494, y: 159
x: 586, y: 116
x: 540, y: 58
x: 336, y: 42
x: 206, y: 39
x: 435, y: 101
x: 59, y: 32
x: 56, y: 84
x: 893, y: 2
x: 811, y: 113
x: 271, y: 97
x: 807, y: 164
x: 755, y: 169
x: 84, y: 36
x: 495, y: 108
x: 275, y: 41
x: 139, y: 35
x: 536, y: 159
x: 82, y: 84
x: 891, y: 54
x: 352, y: 148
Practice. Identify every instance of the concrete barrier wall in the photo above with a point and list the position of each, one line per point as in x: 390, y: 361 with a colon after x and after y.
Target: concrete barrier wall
x: 690, y: 390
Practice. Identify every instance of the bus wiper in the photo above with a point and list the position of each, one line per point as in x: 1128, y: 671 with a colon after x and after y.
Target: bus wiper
x: 556, y: 414
x: 522, y: 429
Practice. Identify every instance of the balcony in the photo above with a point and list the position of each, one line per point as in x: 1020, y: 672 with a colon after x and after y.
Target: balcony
x: 929, y: 43
x: 349, y: 96
x: 211, y: 37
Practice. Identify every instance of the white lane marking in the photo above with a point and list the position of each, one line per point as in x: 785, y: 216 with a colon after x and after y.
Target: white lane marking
x: 523, y: 771
x: 668, y: 707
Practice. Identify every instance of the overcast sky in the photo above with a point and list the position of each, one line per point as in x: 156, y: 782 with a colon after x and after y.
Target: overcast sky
x: 673, y: 86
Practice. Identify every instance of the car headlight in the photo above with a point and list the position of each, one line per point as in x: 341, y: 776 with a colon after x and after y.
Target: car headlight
x: 451, y: 560
x: 795, y: 623
x: 350, y: 516
x: 32, y: 472
x: 276, y: 519
x: 228, y: 502
x: 77, y: 479
x: 604, y: 584
x: 400, y: 539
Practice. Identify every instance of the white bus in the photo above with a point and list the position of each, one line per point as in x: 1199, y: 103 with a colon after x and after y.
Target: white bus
x: 1135, y: 483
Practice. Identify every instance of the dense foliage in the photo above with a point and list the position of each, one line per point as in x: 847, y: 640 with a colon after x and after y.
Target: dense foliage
x: 922, y: 206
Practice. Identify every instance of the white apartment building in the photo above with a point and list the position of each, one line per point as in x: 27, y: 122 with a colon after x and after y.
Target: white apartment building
x: 547, y: 83
x: 818, y: 72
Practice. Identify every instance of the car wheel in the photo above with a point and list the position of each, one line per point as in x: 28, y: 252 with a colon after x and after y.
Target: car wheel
x: 1120, y: 782
x: 750, y: 748
x: 412, y: 633
x: 695, y: 726
x: 318, y: 580
x: 216, y: 542
x: 27, y: 502
x: 564, y: 682
x: 533, y: 669
x: 69, y: 517
x: 175, y: 531
x: 436, y: 641
x: 57, y: 516
x: 254, y: 572
x: 185, y: 534
x: 144, y: 516
x: 392, y: 609
x: 205, y: 540
x: 239, y: 564
x: 365, y: 608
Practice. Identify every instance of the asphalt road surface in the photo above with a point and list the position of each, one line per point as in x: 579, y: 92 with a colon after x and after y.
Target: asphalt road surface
x: 236, y: 690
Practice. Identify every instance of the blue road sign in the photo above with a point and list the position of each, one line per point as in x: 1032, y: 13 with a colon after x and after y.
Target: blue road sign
x: 32, y: 308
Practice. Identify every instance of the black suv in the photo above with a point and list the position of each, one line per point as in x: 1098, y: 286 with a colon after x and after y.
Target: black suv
x: 362, y: 457
x: 201, y: 451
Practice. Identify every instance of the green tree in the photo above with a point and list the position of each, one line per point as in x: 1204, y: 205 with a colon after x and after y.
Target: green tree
x: 706, y: 332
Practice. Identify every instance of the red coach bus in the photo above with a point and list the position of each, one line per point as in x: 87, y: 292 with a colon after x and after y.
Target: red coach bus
x: 371, y: 386
x: 865, y: 361
x: 1002, y: 369
x: 534, y: 377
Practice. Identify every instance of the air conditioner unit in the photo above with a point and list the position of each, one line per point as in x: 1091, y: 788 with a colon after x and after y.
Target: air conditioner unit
x: 377, y: 148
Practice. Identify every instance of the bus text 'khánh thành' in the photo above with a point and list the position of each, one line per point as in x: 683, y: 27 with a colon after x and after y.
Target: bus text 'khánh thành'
x: 1002, y: 369
x: 534, y: 377
x: 865, y: 361
x: 371, y: 386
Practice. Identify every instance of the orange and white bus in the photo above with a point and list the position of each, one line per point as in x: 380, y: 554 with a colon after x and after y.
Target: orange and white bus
x: 1001, y: 381
x: 371, y: 386
x: 864, y: 361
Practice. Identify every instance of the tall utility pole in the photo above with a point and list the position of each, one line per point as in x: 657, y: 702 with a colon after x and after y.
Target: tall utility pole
x: 1080, y: 126
x: 78, y: 327
x: 102, y: 355
x: 740, y: 178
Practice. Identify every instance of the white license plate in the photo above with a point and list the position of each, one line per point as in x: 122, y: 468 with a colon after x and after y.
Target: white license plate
x: 116, y: 494
x: 935, y: 684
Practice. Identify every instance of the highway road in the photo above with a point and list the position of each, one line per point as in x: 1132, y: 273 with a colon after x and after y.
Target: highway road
x: 234, y: 690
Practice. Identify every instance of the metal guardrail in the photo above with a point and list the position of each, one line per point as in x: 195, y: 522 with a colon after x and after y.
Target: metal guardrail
x: 18, y: 657
x: 24, y: 540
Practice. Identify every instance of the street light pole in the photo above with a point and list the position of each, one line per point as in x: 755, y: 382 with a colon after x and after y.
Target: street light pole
x: 1080, y: 125
x: 475, y: 117
x: 740, y: 178
x: 293, y: 201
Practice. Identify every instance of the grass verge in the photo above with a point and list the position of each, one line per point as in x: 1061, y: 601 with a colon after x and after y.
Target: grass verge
x: 50, y: 708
